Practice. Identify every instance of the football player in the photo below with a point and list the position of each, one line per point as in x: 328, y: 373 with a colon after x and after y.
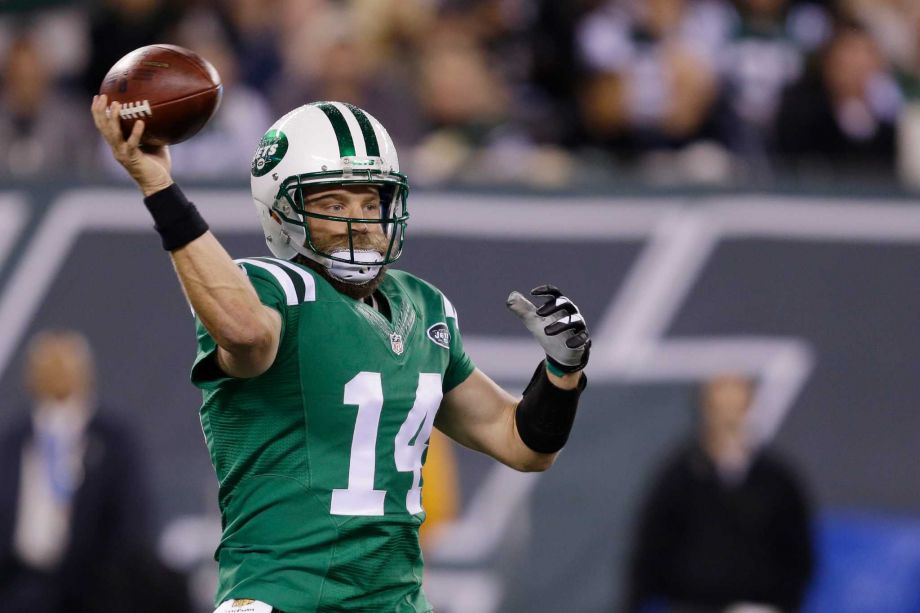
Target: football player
x: 323, y: 370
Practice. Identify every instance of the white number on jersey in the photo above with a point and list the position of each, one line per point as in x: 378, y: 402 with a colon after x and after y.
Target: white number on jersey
x: 366, y: 391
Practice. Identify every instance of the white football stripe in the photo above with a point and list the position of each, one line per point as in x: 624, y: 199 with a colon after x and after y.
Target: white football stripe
x: 290, y: 292
x: 449, y: 310
x: 308, y: 281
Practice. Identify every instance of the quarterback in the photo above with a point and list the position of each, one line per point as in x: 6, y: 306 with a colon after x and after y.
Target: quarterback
x: 323, y: 370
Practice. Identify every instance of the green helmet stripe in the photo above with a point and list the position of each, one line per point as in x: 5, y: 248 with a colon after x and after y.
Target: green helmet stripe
x: 342, y: 133
x: 367, y: 130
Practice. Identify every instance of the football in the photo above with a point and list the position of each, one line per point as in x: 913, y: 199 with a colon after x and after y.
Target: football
x: 174, y: 90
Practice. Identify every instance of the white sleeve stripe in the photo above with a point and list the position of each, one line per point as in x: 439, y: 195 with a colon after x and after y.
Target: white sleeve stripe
x: 449, y: 309
x: 309, y: 283
x: 290, y: 292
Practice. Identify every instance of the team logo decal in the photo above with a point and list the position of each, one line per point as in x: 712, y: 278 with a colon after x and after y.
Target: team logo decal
x: 440, y: 335
x: 396, y: 343
x: 271, y: 150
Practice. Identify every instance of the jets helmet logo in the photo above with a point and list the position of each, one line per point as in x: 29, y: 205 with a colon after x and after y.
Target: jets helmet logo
x: 271, y: 150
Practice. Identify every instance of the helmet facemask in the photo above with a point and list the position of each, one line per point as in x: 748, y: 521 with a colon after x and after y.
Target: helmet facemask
x: 350, y: 264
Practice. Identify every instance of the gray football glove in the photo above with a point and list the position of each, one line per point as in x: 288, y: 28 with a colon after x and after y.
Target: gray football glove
x: 557, y: 325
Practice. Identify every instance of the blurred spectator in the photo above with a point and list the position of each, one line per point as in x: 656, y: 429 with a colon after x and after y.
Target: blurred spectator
x: 63, y: 33
x: 895, y: 26
x: 463, y: 98
x: 42, y: 128
x: 333, y: 53
x: 478, y: 132
x: 253, y: 27
x: 843, y: 114
x: 652, y: 80
x: 393, y: 28
x: 511, y: 91
x: 723, y: 523
x: 555, y: 71
x: 74, y: 508
x: 119, y: 26
x: 769, y: 45
x: 225, y: 146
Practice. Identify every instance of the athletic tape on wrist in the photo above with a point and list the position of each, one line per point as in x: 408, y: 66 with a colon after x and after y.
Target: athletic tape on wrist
x: 544, y: 417
x: 175, y: 218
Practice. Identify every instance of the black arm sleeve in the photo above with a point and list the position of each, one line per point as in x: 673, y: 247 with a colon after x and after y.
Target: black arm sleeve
x: 545, y: 415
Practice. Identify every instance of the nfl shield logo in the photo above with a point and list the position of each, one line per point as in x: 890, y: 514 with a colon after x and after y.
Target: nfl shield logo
x: 396, y: 343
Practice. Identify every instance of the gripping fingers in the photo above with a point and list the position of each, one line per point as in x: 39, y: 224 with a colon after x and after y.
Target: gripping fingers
x: 546, y: 290
x: 555, y: 305
x: 567, y: 323
x: 137, y: 131
x: 113, y: 117
x: 107, y: 120
x: 557, y: 301
x: 100, y: 117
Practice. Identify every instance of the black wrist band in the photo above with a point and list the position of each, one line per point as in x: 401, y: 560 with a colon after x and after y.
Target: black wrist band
x: 175, y: 218
x: 545, y: 415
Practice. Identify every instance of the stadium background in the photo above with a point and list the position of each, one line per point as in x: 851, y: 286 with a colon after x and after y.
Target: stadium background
x: 689, y: 253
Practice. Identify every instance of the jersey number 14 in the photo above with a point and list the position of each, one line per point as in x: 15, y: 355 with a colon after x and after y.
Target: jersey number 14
x: 366, y: 391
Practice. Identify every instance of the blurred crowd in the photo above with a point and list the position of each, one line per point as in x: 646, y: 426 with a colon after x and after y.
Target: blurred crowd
x: 501, y: 92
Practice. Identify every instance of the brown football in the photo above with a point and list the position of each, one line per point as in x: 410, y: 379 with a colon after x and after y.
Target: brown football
x: 174, y: 90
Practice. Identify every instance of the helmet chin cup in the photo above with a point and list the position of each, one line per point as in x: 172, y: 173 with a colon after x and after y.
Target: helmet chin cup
x: 364, y: 268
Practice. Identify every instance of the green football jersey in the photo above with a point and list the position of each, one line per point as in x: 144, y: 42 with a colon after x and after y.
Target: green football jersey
x: 319, y: 459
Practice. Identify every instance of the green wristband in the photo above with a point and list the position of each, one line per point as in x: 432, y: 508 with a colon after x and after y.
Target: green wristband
x: 553, y: 369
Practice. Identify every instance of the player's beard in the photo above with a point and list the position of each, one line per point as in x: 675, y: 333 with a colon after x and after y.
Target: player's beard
x: 366, y: 241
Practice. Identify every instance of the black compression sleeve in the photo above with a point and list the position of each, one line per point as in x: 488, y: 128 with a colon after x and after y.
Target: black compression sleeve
x: 545, y: 415
x: 175, y: 218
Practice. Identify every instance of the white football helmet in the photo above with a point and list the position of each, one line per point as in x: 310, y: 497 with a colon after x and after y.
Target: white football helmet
x: 328, y: 143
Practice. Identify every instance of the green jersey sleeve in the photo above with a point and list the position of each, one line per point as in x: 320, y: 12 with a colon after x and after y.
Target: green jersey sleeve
x: 460, y: 366
x: 271, y: 293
